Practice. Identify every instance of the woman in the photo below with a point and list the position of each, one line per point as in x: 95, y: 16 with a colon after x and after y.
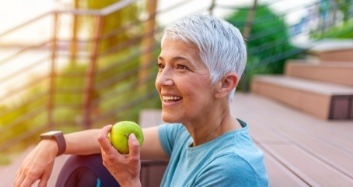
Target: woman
x: 200, y: 64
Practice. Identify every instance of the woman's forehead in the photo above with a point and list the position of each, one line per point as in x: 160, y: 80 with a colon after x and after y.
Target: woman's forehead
x: 179, y: 47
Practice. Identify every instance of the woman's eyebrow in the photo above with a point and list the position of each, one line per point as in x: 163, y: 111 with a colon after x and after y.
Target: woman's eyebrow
x: 176, y: 58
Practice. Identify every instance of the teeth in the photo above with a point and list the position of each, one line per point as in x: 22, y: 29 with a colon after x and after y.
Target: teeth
x: 171, y: 98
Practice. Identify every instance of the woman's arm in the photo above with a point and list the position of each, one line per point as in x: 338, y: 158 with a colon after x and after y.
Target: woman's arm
x: 39, y: 163
x: 82, y: 142
x: 152, y: 148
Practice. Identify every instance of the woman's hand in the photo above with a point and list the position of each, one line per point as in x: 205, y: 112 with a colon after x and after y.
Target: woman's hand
x: 124, y: 168
x: 37, y: 165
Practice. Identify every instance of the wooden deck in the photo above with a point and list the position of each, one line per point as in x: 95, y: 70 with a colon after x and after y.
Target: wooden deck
x: 300, y: 150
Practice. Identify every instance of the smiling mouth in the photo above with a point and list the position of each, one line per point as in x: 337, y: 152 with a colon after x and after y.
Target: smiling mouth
x: 171, y: 98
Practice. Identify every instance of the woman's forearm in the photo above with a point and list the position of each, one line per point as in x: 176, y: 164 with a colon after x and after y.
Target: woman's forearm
x: 82, y: 142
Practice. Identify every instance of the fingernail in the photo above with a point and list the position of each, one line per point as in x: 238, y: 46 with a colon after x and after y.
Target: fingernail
x: 132, y: 136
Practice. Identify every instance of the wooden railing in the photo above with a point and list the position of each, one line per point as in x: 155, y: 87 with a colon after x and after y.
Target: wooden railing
x: 44, y: 112
x: 105, y: 73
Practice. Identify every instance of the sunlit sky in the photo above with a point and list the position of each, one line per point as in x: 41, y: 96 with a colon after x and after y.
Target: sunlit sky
x: 13, y: 12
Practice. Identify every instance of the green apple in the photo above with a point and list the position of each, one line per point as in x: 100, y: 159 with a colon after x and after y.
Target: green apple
x: 119, y: 135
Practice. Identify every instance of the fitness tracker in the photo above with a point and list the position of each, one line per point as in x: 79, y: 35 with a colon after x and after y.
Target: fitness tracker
x: 58, y: 136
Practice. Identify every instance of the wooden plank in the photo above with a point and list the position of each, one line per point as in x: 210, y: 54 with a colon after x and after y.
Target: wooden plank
x: 311, y: 96
x: 340, y: 72
x: 279, y: 175
x: 338, y: 133
x: 307, y: 85
x: 283, y: 132
x: 325, y: 148
x: 308, y: 167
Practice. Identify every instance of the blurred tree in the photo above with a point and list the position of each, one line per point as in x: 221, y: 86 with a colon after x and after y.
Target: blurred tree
x: 345, y: 7
x: 268, y: 42
x: 115, y: 27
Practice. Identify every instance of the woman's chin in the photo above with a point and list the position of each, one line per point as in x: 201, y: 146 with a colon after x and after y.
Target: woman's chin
x: 169, y: 118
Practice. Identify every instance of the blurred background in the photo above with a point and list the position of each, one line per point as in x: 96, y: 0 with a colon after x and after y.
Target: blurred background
x: 78, y: 64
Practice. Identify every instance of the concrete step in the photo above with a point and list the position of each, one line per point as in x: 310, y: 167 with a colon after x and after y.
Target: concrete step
x: 332, y: 72
x: 323, y: 100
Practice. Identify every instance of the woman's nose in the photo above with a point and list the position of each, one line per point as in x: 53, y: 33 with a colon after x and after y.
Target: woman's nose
x: 164, y: 78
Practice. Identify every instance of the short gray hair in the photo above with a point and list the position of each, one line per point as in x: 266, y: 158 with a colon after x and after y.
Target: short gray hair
x: 221, y: 45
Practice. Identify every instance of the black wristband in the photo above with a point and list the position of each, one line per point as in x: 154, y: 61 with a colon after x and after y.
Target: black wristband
x: 58, y: 136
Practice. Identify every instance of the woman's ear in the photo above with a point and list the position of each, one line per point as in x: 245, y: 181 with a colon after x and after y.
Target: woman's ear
x: 226, y: 85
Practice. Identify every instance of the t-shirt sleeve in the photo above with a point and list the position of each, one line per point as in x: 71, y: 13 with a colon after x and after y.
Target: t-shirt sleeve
x: 229, y: 171
x: 167, y: 136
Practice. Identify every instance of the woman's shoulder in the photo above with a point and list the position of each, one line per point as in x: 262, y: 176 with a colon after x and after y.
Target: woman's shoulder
x: 232, y: 169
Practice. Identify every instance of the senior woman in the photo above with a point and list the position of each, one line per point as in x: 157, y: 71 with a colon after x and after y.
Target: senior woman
x: 200, y: 64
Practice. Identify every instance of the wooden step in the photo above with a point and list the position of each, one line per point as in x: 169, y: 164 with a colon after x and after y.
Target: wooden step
x: 332, y: 72
x: 336, y: 55
x: 333, y: 50
x: 324, y: 100
x: 300, y: 150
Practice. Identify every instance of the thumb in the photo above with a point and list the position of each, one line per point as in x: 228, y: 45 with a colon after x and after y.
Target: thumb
x: 134, y: 146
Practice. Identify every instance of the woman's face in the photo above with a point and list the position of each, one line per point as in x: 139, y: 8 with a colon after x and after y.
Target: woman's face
x: 183, y: 83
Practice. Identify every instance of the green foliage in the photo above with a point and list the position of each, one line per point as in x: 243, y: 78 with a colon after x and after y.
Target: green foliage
x: 4, y: 159
x: 268, y: 45
x: 22, y: 116
x: 343, y: 31
x: 119, y: 90
x: 344, y: 6
x: 116, y: 26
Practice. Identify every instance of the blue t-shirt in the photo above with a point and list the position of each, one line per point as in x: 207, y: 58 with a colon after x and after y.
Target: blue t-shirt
x: 229, y: 160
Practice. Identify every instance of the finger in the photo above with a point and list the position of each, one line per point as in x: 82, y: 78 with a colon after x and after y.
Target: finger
x: 134, y: 146
x: 44, y: 179
x: 28, y: 181
x: 19, y: 178
x: 43, y: 183
x: 104, y: 133
x: 103, y: 139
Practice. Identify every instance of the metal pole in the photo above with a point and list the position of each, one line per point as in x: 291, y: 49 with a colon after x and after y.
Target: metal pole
x: 73, y: 46
x: 250, y: 20
x: 210, y: 10
x: 90, y: 74
x: 147, y: 41
x: 52, y: 75
x: 246, y: 36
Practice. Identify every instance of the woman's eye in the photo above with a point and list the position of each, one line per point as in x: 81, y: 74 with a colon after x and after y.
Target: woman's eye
x: 160, y: 65
x: 179, y: 66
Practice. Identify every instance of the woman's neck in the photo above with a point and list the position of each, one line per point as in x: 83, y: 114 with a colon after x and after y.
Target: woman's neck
x: 212, y: 127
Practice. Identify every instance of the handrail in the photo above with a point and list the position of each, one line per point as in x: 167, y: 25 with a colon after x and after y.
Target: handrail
x: 116, y: 6
x: 25, y: 23
x: 102, y: 12
x: 79, y: 12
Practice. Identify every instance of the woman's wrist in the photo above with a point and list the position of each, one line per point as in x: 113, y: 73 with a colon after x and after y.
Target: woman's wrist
x: 58, y: 137
x: 50, y: 146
